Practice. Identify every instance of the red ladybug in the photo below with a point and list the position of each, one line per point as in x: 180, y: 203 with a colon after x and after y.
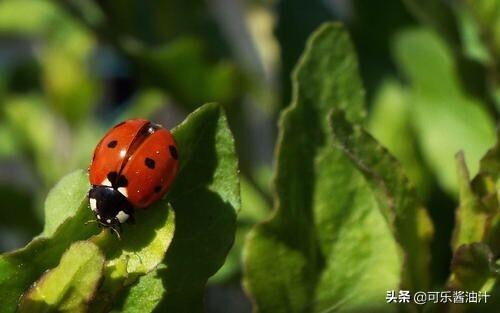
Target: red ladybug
x: 133, y: 166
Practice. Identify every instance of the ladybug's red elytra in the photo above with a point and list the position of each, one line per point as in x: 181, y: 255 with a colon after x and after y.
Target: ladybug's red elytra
x: 133, y: 166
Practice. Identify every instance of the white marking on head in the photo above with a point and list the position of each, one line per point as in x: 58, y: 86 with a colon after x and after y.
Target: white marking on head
x: 123, y: 191
x: 106, y: 182
x: 108, y: 221
x: 123, y: 152
x: 93, y: 204
x: 122, y: 216
x: 98, y: 216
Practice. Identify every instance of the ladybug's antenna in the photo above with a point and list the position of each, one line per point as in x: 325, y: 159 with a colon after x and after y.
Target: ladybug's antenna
x: 91, y: 222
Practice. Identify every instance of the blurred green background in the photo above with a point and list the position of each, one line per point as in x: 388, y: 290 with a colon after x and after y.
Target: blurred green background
x: 71, y: 69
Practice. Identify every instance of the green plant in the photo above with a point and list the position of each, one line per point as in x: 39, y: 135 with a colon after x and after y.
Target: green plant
x: 176, y: 245
x: 348, y: 225
x: 383, y: 180
x: 336, y: 188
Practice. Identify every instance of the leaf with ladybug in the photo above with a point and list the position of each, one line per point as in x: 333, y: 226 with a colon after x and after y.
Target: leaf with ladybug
x: 143, y: 245
x: 205, y: 197
x: 20, y: 268
x: 69, y: 193
x: 145, y: 295
x: 69, y: 286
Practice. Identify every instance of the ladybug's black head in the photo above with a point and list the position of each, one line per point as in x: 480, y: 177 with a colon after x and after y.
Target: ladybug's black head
x: 110, y: 207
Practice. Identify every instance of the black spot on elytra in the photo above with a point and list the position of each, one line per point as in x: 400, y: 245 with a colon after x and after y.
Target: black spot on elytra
x: 150, y: 163
x: 173, y: 152
x: 157, y: 189
x: 122, y: 182
x: 112, y: 177
x: 117, y: 181
x: 112, y: 144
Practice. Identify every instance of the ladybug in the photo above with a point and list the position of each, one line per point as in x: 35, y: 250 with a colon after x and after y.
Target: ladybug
x: 133, y: 166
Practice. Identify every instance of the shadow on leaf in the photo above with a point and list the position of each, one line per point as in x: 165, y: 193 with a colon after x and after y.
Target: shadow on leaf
x: 205, y: 198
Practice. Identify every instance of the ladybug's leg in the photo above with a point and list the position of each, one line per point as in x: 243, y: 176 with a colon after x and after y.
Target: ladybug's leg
x: 138, y: 256
x: 115, y: 227
x: 112, y: 229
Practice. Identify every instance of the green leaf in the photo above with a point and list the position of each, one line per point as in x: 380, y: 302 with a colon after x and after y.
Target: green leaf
x: 143, y: 252
x: 485, y: 194
x: 145, y: 295
x: 472, y: 269
x: 69, y: 193
x: 253, y: 210
x: 446, y: 119
x: 487, y: 16
x: 396, y: 197
x: 285, y: 245
x: 330, y: 227
x: 471, y: 266
x: 71, y: 285
x: 391, y: 124
x: 486, y: 184
x: 19, y: 269
x: 141, y: 249
x: 206, y: 199
x: 477, y: 230
x: 472, y: 217
x: 470, y: 33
